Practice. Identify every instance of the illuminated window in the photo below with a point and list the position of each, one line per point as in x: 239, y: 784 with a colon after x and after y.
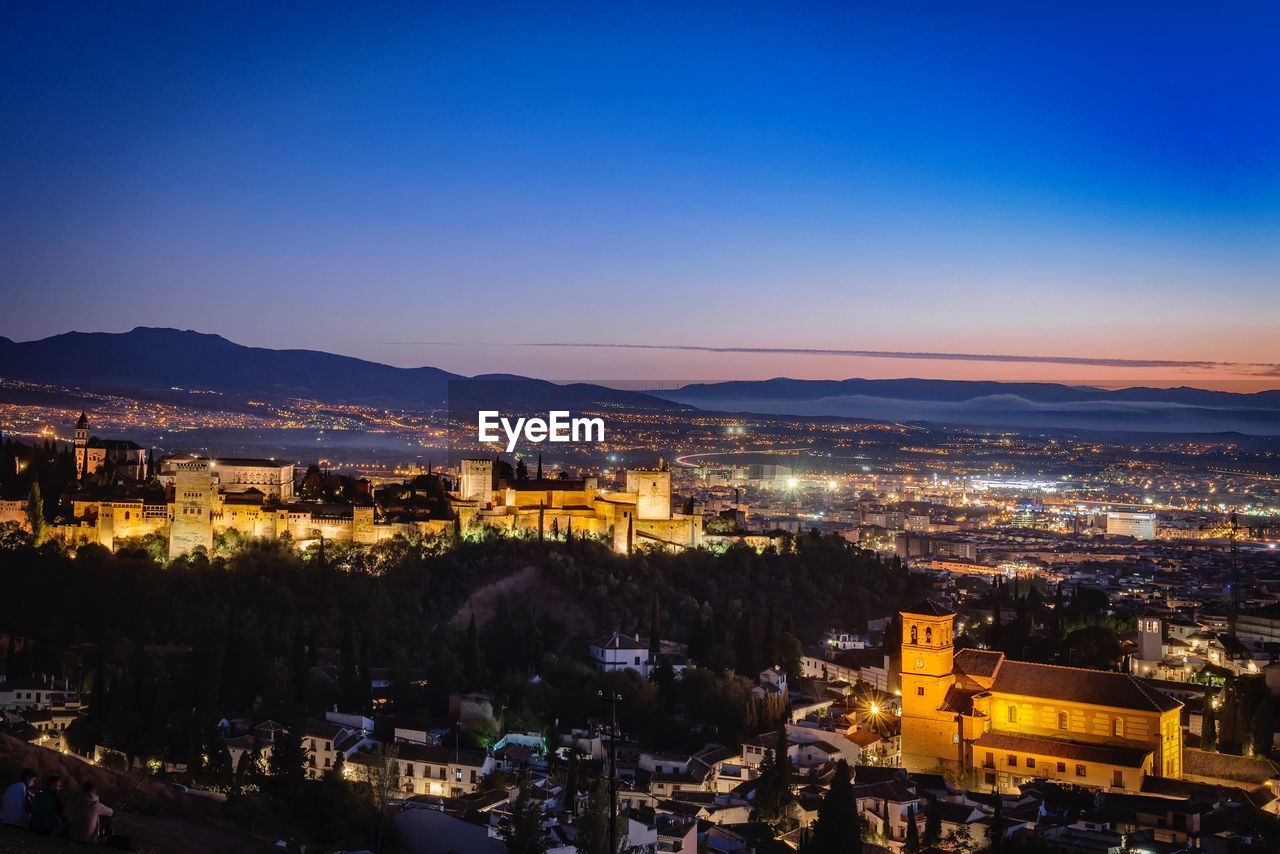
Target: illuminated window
x: 1081, y: 771
x: 1117, y: 727
x: 1062, y: 720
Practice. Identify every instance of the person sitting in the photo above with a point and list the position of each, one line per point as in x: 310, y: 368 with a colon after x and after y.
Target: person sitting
x: 16, y: 807
x: 46, y: 810
x: 85, y: 820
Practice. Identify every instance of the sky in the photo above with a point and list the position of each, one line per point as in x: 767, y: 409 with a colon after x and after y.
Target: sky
x: 1091, y: 190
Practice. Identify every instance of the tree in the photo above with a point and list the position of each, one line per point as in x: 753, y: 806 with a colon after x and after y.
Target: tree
x: 288, y: 760
x: 1262, y: 728
x: 997, y: 825
x: 838, y: 829
x: 655, y: 627
x: 912, y: 843
x: 593, y: 827
x: 523, y: 831
x: 384, y: 782
x: 35, y: 514
x: 933, y: 824
x: 1208, y: 725
x: 773, y: 786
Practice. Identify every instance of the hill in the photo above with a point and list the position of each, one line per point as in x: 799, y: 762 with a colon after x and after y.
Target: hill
x: 996, y: 404
x: 153, y: 361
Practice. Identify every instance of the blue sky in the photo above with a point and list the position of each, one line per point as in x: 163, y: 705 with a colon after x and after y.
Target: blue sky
x: 441, y: 183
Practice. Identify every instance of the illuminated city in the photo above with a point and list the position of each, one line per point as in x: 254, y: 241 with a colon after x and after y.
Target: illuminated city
x: 640, y: 430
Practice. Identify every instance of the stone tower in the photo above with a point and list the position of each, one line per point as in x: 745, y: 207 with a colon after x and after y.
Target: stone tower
x: 929, y: 734
x: 192, y: 507
x: 653, y: 492
x: 475, y: 481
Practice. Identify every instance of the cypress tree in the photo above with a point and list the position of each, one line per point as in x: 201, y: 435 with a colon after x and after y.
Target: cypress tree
x: 1208, y: 725
x: 838, y: 828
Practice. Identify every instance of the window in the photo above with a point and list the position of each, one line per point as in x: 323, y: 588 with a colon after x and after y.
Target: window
x: 1013, y: 714
x: 1081, y: 771
x: 989, y: 761
x: 1011, y: 761
x: 928, y: 635
x: 915, y: 634
x: 1062, y: 720
x: 1117, y: 779
x: 990, y: 779
x: 474, y: 776
x: 955, y: 738
x: 1062, y: 767
x: 1117, y: 727
x: 1031, y: 762
x: 920, y: 691
x: 457, y: 775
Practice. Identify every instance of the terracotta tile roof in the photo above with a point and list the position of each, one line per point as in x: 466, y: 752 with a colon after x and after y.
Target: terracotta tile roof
x: 1125, y: 757
x: 1074, y: 684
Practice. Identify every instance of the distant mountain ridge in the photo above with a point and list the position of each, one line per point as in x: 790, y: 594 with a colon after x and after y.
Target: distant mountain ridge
x: 996, y: 404
x: 154, y: 360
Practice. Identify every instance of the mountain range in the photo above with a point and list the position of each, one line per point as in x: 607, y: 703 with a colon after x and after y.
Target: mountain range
x: 155, y: 361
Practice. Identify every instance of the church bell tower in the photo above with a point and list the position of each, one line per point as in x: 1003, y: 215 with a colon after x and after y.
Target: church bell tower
x: 930, y: 735
x: 81, y: 443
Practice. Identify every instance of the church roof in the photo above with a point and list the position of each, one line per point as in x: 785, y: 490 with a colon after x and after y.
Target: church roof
x: 1075, y: 684
x: 929, y: 608
x: 1125, y: 757
x: 979, y: 663
x: 82, y: 422
x: 114, y: 444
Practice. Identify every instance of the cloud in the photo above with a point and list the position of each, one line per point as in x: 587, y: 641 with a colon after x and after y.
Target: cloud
x: 1256, y: 368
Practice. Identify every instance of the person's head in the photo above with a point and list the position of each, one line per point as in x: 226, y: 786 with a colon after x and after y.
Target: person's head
x: 28, y: 777
x: 52, y: 783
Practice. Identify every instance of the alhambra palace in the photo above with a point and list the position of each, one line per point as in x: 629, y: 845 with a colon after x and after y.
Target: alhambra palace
x: 199, y: 497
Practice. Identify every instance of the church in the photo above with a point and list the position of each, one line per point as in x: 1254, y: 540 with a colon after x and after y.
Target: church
x: 987, y: 721
x: 92, y: 453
